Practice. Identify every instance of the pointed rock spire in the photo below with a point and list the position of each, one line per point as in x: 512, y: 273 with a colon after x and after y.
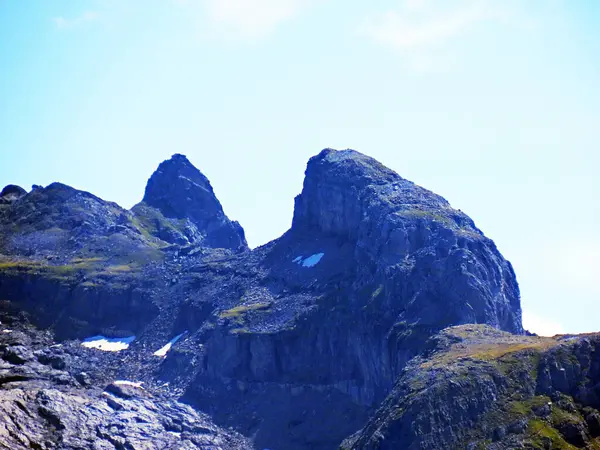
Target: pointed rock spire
x: 180, y: 191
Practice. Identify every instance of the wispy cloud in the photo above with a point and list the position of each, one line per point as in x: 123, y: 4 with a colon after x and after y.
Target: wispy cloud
x: 422, y: 30
x: 88, y: 16
x: 247, y: 18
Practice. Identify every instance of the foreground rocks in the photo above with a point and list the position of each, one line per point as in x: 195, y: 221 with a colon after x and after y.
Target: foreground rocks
x: 478, y: 388
x: 45, y: 408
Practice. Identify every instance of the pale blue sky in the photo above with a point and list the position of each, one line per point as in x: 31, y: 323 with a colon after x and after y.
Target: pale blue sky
x: 493, y: 104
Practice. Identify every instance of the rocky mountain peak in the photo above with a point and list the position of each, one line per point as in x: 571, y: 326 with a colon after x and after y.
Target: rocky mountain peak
x: 402, y: 231
x: 151, y: 306
x: 342, y: 186
x: 11, y: 193
x: 180, y: 191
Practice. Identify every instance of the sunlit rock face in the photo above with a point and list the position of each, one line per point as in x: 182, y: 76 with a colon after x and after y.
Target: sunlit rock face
x: 437, y: 267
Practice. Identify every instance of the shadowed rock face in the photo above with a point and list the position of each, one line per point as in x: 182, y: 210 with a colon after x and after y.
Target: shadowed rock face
x: 480, y: 388
x: 180, y: 191
x: 11, y: 193
x: 294, y: 343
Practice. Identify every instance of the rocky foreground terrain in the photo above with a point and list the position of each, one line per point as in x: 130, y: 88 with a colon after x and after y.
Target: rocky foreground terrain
x: 383, y: 319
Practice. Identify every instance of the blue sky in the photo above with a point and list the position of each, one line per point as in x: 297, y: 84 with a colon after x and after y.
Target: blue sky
x: 494, y: 105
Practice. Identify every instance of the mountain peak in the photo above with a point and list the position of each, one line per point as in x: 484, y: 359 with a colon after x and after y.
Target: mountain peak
x: 341, y: 185
x: 11, y: 192
x: 393, y: 224
x: 180, y: 191
x: 172, y: 175
x: 351, y: 164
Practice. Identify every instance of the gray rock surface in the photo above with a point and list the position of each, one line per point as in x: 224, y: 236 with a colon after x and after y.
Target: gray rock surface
x: 183, y: 194
x: 11, y: 193
x: 480, y: 388
x: 45, y: 408
x: 294, y: 344
x: 436, y: 267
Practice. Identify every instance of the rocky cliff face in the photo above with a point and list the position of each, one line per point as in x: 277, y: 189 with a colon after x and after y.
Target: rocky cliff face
x: 294, y: 344
x: 436, y: 267
x: 479, y: 388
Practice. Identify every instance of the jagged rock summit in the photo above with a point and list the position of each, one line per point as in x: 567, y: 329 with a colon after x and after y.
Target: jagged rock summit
x: 436, y: 266
x: 294, y: 344
x: 11, y: 193
x: 181, y: 192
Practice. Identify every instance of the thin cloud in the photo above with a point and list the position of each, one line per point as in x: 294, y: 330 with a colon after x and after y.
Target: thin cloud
x: 422, y: 29
x: 247, y: 18
x: 88, y: 16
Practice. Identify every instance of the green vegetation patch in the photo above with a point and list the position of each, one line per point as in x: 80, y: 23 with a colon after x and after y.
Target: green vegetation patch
x: 440, y: 217
x: 543, y: 436
x: 240, y: 311
x: 526, y: 407
x: 120, y: 268
x: 150, y: 221
x: 60, y: 272
x: 238, y: 315
x: 428, y: 215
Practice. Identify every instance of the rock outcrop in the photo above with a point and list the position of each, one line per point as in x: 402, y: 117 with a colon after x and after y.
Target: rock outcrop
x: 11, y: 193
x: 294, y: 344
x: 436, y: 267
x: 45, y: 406
x: 479, y: 388
x: 183, y: 195
x: 61, y: 222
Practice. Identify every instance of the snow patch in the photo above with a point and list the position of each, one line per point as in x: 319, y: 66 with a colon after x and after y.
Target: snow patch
x: 163, y: 351
x: 7, y: 331
x: 108, y: 344
x: 312, y: 260
x: 137, y: 384
x: 193, y: 183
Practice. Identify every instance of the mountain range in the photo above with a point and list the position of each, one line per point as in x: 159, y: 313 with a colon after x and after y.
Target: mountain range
x: 382, y: 319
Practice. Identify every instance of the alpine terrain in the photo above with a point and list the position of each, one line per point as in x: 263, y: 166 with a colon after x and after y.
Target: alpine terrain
x: 382, y: 319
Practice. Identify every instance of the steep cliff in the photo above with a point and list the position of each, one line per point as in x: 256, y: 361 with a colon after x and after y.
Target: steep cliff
x: 479, y: 388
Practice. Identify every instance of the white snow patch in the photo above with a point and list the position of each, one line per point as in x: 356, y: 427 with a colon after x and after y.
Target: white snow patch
x: 163, y: 351
x: 7, y: 331
x: 193, y: 183
x: 297, y: 259
x: 108, y: 344
x: 137, y: 384
x: 312, y: 260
